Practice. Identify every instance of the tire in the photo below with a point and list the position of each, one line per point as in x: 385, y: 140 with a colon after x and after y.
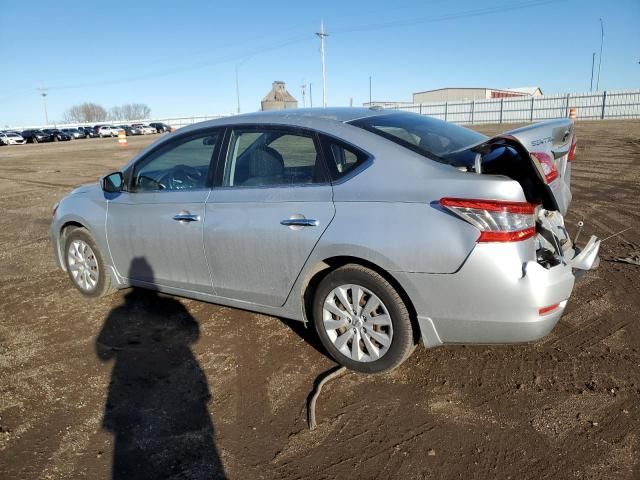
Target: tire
x: 99, y: 283
x: 372, y: 330
x: 34, y: 140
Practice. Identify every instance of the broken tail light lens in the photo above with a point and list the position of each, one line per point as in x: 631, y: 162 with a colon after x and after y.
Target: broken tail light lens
x: 572, y: 149
x: 548, y: 166
x: 498, y: 221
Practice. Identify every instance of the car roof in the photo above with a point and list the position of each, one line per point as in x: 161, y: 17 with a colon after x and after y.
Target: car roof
x: 309, y: 117
x: 340, y: 114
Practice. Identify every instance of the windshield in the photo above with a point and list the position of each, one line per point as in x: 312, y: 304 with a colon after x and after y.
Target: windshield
x: 422, y: 134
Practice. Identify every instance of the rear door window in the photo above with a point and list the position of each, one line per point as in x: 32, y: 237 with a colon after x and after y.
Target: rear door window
x: 272, y: 157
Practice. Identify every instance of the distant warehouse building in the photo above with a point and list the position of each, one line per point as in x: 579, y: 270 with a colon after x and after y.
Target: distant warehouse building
x: 467, y: 94
x: 278, y: 98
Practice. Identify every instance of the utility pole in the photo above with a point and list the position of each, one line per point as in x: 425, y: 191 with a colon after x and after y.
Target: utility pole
x: 600, y: 60
x: 303, y: 87
x: 310, y: 95
x: 369, y: 90
x: 322, y: 36
x: 43, y: 92
x: 237, y: 88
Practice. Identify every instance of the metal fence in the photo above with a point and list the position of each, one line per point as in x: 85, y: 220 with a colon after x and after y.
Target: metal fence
x: 620, y: 104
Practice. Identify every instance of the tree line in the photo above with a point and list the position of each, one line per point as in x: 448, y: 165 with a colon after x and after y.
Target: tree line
x: 88, y: 112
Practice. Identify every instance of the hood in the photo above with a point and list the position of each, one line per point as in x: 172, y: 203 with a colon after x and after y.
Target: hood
x: 87, y: 187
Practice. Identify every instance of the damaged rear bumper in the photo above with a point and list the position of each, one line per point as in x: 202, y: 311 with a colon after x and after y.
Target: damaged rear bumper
x: 495, y: 297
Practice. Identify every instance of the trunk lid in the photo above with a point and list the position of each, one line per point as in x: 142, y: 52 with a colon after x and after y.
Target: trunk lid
x: 536, y: 156
x: 555, y: 138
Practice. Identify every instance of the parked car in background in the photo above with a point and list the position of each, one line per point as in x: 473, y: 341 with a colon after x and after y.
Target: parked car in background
x: 377, y: 227
x: 36, y: 136
x: 160, y: 127
x: 58, y: 135
x: 89, y: 132
x: 75, y: 133
x: 130, y: 130
x: 11, y: 138
x: 145, y: 129
x: 107, y: 131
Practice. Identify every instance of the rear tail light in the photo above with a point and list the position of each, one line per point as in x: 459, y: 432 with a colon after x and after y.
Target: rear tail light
x: 497, y: 221
x: 572, y: 149
x: 548, y: 166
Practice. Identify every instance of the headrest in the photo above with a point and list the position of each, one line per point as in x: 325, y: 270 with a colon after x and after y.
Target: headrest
x: 265, y: 162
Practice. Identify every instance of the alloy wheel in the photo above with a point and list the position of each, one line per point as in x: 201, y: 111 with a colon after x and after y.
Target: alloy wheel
x: 357, y: 323
x: 83, y: 265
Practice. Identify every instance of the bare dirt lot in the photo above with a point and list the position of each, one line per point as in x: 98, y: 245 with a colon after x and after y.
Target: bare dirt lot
x: 147, y: 386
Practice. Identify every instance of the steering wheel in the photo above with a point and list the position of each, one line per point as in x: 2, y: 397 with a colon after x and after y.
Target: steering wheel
x: 181, y: 177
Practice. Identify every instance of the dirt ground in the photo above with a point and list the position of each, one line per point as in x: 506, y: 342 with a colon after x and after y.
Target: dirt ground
x: 145, y: 386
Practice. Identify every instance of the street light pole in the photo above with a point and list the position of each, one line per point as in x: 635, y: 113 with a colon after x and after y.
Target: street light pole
x: 43, y: 92
x: 322, y: 36
x: 310, y: 95
x: 369, y: 90
x: 600, y: 60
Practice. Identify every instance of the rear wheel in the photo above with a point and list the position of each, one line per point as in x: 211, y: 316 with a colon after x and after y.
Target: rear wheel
x: 361, y: 320
x: 85, y: 265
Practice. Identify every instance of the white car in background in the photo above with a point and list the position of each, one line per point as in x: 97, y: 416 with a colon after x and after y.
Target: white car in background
x: 145, y: 129
x: 11, y: 138
x: 108, y: 131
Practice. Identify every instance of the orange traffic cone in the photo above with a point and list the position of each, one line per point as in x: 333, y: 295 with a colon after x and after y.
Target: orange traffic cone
x: 573, y: 113
x: 122, y: 138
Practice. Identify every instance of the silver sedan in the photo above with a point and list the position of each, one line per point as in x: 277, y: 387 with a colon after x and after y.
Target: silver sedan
x: 380, y: 228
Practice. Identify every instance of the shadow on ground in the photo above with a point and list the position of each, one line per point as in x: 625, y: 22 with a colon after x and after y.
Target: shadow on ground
x: 156, y: 406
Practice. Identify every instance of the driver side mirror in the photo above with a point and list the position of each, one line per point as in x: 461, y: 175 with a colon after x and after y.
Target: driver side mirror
x: 113, y: 183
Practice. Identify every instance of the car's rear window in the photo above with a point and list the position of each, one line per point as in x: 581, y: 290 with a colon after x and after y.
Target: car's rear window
x: 425, y: 135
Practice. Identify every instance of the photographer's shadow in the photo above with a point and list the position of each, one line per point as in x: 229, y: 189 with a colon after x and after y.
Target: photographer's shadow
x: 156, y: 407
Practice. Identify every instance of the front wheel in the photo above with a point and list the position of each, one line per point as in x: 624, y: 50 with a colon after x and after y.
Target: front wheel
x: 85, y: 264
x: 362, y: 321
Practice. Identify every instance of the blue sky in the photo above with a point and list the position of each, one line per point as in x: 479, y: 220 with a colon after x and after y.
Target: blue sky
x: 180, y: 57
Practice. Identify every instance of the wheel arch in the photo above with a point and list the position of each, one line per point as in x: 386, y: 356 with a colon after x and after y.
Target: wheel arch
x: 322, y: 268
x: 64, y: 230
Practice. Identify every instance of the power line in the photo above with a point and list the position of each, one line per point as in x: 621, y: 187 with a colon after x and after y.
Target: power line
x: 446, y: 17
x: 298, y: 38
x: 224, y: 59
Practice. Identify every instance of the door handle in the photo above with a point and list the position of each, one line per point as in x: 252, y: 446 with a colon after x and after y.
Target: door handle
x: 296, y: 221
x: 186, y: 217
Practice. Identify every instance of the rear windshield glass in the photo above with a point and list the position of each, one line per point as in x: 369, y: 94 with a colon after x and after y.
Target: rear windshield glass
x: 425, y: 135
